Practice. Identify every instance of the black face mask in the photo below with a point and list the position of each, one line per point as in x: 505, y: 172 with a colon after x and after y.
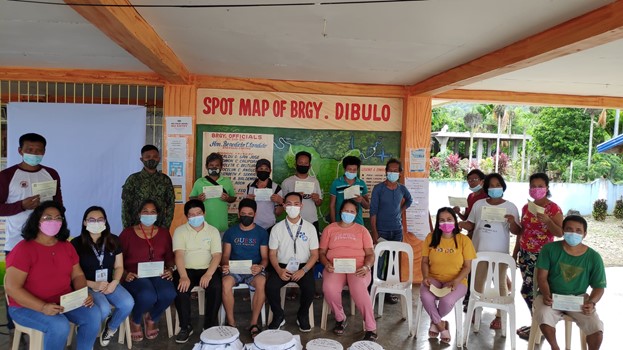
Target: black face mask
x: 302, y: 169
x: 246, y: 220
x: 263, y: 175
x: 151, y: 164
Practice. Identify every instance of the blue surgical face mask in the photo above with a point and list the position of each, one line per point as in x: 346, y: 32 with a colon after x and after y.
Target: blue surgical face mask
x: 475, y: 188
x: 196, y: 221
x: 148, y: 220
x: 350, y: 175
x: 32, y: 159
x: 497, y: 192
x: 393, y: 177
x: 347, y: 217
x: 573, y: 238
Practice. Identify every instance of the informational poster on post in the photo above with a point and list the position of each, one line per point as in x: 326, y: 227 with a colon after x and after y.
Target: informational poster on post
x: 417, y: 213
x: 240, y: 152
x: 176, y: 166
x: 179, y: 125
x: 372, y: 175
x: 417, y: 160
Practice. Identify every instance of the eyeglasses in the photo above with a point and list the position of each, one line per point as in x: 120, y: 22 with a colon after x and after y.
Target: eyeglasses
x: 99, y: 221
x: 474, y: 180
x: 50, y: 218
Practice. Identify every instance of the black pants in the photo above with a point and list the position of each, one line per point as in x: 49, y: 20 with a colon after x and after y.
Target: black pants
x: 306, y: 285
x: 213, y: 297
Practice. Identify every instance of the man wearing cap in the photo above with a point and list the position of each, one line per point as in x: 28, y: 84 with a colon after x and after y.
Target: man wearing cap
x: 267, y: 194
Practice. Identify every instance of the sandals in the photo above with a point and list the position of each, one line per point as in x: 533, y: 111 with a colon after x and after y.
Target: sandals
x: 136, y: 332
x: 254, y: 330
x: 524, y: 332
x: 340, y: 326
x: 151, y: 328
x: 496, y: 323
x: 445, y: 334
x: 433, y: 331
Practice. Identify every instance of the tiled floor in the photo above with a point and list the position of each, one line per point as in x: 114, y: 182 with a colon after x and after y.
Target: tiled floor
x: 393, y: 331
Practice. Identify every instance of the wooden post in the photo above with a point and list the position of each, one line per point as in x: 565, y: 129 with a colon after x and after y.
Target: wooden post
x: 180, y: 101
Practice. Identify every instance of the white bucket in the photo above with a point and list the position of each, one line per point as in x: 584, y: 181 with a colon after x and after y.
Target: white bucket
x: 323, y: 344
x: 219, y: 338
x: 365, y: 345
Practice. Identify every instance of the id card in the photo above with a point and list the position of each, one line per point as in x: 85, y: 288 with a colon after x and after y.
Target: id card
x: 101, y: 275
x: 293, y: 265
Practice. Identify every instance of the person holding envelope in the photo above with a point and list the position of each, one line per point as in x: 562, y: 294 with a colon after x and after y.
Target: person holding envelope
x: 197, y: 249
x: 101, y: 260
x: 245, y: 257
x: 42, y: 271
x: 446, y: 261
x: 565, y: 270
x: 215, y: 191
x: 267, y: 194
x: 293, y: 252
x: 347, y: 253
x: 148, y: 268
x: 308, y: 186
x: 492, y: 220
x: 541, y: 221
x: 341, y: 189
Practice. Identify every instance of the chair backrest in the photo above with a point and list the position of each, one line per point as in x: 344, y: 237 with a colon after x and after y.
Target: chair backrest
x: 393, y: 250
x: 494, y: 261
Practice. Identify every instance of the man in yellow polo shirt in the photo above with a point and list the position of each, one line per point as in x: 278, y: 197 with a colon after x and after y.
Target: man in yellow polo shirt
x: 197, y: 248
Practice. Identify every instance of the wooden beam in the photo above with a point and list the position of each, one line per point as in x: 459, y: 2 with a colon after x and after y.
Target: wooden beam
x: 126, y: 27
x: 307, y: 87
x: 592, y: 29
x: 79, y: 76
x: 530, y: 98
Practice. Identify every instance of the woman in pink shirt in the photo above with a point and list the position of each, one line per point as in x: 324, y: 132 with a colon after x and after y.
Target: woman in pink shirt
x: 348, y: 240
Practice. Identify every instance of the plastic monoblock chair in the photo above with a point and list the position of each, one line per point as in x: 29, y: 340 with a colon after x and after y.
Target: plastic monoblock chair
x: 221, y: 311
x: 458, y: 316
x: 201, y: 294
x: 326, y: 310
x: 283, y: 304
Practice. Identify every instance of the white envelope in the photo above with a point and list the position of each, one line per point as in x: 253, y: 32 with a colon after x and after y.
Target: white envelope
x: 352, y: 192
x: 344, y: 265
x: 150, y: 269
x: 75, y: 299
x: 440, y: 292
x: 240, y: 267
x: 213, y: 191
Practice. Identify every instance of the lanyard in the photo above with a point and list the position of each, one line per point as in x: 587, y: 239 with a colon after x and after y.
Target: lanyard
x: 298, y: 234
x: 99, y: 256
x: 151, y: 247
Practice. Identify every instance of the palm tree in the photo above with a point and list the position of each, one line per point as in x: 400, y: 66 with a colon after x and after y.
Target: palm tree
x: 472, y: 120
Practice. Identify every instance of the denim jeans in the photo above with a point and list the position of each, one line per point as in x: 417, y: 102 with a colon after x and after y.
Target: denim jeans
x: 56, y: 328
x: 153, y: 295
x: 120, y: 299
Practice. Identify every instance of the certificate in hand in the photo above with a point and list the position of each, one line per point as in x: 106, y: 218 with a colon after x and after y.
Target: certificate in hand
x: 262, y: 194
x: 240, y: 267
x: 150, y: 269
x: 344, y: 265
x: 352, y: 192
x: 75, y: 299
x: 457, y: 202
x: 213, y: 191
x: 493, y: 214
x: 440, y: 292
x: 535, y: 209
x: 567, y: 302
x: 304, y: 187
x: 46, y: 190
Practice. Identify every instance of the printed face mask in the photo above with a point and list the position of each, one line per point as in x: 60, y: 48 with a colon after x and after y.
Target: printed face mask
x: 196, y: 221
x: 148, y: 220
x: 214, y: 171
x: 393, y: 177
x: 446, y: 227
x: 347, y: 217
x: 573, y: 238
x: 497, y: 192
x: 151, y: 164
x: 293, y: 211
x: 96, y: 227
x: 538, y: 192
x: 50, y: 227
x: 32, y: 159
x: 302, y: 169
x: 350, y: 175
x: 263, y: 175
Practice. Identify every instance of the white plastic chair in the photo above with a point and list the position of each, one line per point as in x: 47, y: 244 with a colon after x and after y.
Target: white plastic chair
x: 283, y: 304
x: 326, y: 310
x: 490, y: 295
x: 393, y: 284
x: 535, y: 329
x: 201, y: 294
x: 221, y: 311
x: 124, y: 331
x: 458, y: 317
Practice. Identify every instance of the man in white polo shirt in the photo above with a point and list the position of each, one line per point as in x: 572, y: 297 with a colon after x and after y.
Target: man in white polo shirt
x: 293, y: 252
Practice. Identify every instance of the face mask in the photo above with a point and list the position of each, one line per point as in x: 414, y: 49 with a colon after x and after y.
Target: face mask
x: 196, y: 221
x: 475, y: 188
x: 350, y: 175
x: 293, y: 211
x: 148, y: 220
x: 446, y: 227
x: 573, y: 238
x: 393, y: 177
x: 96, y: 227
x: 263, y: 175
x: 538, y: 192
x: 302, y: 169
x: 497, y: 192
x: 246, y: 220
x: 347, y: 217
x: 151, y: 164
x: 214, y: 171
x: 32, y: 159
x: 51, y: 227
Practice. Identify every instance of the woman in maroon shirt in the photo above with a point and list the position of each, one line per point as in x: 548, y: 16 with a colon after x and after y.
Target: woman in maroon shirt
x: 142, y: 244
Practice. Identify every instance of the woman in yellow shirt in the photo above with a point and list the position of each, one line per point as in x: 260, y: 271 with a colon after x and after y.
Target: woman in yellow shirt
x: 446, y: 261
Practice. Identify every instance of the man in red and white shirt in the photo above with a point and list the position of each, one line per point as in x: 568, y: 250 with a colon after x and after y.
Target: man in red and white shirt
x: 16, y: 187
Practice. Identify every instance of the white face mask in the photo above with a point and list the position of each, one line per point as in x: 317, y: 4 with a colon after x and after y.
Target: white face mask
x: 96, y: 227
x: 293, y: 211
